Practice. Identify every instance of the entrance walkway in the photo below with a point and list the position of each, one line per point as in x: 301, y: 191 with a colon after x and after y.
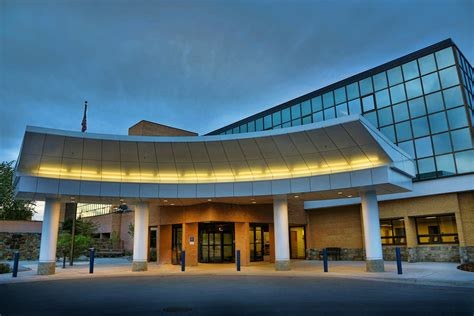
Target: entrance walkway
x: 429, y: 273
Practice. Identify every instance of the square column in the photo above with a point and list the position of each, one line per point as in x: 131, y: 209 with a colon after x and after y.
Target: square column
x: 282, y: 237
x: 242, y: 242
x: 140, y: 237
x: 371, y: 224
x: 49, y: 237
x: 190, y: 231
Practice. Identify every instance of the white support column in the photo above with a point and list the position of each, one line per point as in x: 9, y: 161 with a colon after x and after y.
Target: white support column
x: 372, y: 240
x: 49, y: 237
x: 140, y: 237
x: 282, y: 238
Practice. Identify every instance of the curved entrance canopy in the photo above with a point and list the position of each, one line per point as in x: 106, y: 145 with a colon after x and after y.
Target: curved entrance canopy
x: 344, y: 153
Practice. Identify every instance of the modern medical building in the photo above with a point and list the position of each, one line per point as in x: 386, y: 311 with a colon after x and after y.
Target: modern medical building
x: 379, y: 160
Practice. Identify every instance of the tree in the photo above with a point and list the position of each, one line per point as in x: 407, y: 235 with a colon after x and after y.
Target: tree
x: 10, y: 208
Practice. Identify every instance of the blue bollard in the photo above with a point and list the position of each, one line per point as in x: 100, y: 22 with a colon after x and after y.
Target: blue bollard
x: 183, y: 261
x: 399, y: 260
x: 16, y: 258
x: 325, y: 258
x: 91, y: 260
x: 238, y: 260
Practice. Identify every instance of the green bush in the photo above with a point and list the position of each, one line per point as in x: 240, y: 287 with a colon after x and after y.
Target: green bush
x: 81, y: 244
x: 5, y: 268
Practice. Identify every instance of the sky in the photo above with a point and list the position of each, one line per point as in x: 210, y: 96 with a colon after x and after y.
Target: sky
x: 196, y: 65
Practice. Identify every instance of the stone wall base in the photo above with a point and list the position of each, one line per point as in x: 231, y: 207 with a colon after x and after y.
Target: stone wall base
x: 282, y: 265
x: 466, y: 254
x: 429, y: 253
x: 374, y: 265
x: 138, y: 266
x: 46, y: 268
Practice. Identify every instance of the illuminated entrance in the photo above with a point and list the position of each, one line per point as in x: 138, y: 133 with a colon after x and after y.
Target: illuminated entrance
x: 216, y: 242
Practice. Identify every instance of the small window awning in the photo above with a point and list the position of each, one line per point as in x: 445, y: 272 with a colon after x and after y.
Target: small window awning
x: 343, y: 153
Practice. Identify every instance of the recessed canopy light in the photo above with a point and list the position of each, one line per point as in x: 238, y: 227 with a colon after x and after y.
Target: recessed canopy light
x: 166, y: 201
x: 254, y: 202
x: 339, y: 192
x: 297, y: 196
x: 172, y: 204
x: 349, y: 196
x: 209, y: 200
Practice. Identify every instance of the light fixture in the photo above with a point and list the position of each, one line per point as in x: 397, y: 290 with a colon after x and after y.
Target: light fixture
x: 209, y: 200
x: 339, y: 192
x: 349, y: 196
x: 166, y: 201
x: 254, y: 202
x: 297, y: 196
x: 172, y: 204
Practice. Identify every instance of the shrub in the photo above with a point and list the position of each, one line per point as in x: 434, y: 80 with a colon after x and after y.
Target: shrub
x: 5, y: 268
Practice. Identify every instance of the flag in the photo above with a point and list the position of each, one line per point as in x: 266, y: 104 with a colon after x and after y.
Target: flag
x: 84, y: 119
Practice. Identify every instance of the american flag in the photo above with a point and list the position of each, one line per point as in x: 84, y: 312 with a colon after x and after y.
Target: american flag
x: 84, y: 119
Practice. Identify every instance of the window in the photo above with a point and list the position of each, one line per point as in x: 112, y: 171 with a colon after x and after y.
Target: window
x: 366, y: 86
x: 340, y: 95
x: 296, y: 122
x: 267, y: 122
x: 417, y: 107
x: 243, y: 128
x: 445, y: 165
x: 389, y: 132
x: 426, y: 168
x: 329, y: 114
x: 368, y: 103
x: 457, y: 118
x: 464, y: 161
x: 437, y: 229
x: 328, y: 99
x: 372, y: 118
x: 385, y: 116
x: 438, y: 122
x: 352, y: 91
x: 251, y: 126
x: 382, y: 98
x: 461, y: 139
x: 427, y: 64
x: 306, y: 108
x: 410, y: 70
x: 295, y: 111
x: 408, y: 148
x: 442, y: 143
x: 380, y: 81
x: 317, y: 104
x: 423, y: 147
x: 318, y: 117
x: 449, y: 77
x: 434, y: 102
x: 403, y: 131
x: 285, y: 115
x: 276, y: 118
x: 307, y: 120
x: 400, y: 112
x: 341, y: 110
x: 392, y: 231
x: 430, y: 83
x: 354, y: 106
x: 413, y: 88
x: 453, y: 97
x: 259, y: 124
x: 420, y: 127
x: 445, y: 57
x: 395, y: 76
x: 398, y: 93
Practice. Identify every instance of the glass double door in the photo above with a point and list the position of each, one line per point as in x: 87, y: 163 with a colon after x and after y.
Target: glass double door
x: 216, y: 242
x: 259, y: 237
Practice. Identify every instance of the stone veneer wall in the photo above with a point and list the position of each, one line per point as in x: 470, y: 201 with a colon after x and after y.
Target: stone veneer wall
x: 27, y: 243
x: 347, y: 254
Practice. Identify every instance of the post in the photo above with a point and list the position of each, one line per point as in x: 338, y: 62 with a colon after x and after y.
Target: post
x: 183, y: 261
x: 238, y: 260
x: 49, y: 237
x: 64, y: 260
x: 91, y: 260
x: 16, y: 258
x: 282, y: 235
x: 73, y: 235
x: 371, y: 225
x: 140, y: 237
x: 399, y: 260
x: 325, y: 259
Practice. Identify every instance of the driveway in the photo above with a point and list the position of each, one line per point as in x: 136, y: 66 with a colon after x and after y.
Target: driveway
x: 230, y: 295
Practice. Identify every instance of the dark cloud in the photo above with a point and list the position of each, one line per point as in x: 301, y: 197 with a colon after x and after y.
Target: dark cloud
x: 195, y: 65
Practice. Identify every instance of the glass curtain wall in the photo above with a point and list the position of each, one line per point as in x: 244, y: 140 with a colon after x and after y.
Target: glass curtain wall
x: 419, y: 105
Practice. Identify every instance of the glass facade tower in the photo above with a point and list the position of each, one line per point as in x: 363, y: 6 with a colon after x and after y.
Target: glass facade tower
x: 423, y: 102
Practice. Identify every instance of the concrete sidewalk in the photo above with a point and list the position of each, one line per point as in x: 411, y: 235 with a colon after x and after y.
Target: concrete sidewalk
x: 427, y: 273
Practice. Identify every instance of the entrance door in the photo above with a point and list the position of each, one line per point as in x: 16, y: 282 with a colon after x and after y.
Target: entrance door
x: 297, y: 243
x: 176, y: 243
x: 259, y: 237
x: 152, y: 242
x: 216, y: 242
